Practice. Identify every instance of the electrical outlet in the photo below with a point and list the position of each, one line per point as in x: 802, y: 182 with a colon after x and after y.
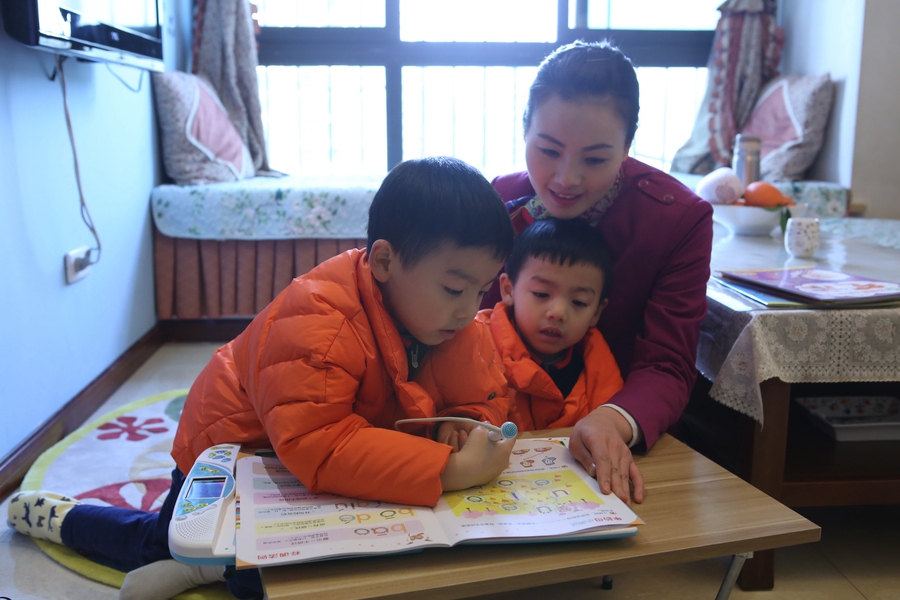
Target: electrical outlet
x: 77, y: 264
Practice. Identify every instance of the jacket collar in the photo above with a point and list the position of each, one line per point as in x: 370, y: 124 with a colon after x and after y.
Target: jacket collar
x: 414, y: 400
x: 524, y: 373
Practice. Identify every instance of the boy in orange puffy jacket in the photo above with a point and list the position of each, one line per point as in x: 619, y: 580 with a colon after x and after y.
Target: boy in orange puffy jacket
x: 322, y: 374
x: 558, y: 365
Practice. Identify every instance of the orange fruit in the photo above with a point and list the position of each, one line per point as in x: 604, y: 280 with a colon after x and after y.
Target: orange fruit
x: 760, y: 193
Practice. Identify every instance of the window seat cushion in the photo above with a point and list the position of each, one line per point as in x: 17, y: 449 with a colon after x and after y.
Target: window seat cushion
x: 266, y: 208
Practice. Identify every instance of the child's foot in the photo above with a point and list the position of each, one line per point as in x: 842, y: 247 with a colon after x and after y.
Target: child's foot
x: 166, y: 578
x: 39, y: 514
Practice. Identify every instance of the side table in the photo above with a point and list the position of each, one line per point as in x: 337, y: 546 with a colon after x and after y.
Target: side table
x: 757, y: 359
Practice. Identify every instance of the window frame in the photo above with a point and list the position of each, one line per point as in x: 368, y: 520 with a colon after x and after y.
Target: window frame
x: 381, y: 46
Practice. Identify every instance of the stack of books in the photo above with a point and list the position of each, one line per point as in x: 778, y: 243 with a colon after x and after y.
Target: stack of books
x: 810, y: 287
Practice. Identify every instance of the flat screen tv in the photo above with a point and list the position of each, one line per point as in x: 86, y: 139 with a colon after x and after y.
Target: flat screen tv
x: 121, y: 31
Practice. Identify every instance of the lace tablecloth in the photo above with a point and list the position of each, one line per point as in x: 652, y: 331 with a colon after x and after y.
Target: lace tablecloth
x: 743, y: 344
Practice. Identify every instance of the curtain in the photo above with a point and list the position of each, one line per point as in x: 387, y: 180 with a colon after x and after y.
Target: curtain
x: 744, y: 57
x: 224, y: 51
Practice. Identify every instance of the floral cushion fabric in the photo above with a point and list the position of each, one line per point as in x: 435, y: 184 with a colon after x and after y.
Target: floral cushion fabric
x: 824, y: 198
x: 263, y: 208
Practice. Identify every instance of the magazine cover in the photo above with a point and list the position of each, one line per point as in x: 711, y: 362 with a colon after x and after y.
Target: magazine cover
x: 819, y: 285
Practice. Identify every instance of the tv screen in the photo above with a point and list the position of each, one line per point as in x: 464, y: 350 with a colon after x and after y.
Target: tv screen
x: 121, y: 31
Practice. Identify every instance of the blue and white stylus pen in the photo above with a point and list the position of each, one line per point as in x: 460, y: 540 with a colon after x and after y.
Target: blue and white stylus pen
x: 504, y: 432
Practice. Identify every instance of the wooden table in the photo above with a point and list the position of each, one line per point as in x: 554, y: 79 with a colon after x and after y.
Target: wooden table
x: 782, y: 456
x: 693, y: 510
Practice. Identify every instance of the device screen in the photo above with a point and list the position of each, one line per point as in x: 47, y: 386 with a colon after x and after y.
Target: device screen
x: 207, y: 487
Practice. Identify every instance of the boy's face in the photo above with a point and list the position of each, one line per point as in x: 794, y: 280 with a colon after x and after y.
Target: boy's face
x: 554, y: 305
x: 440, y: 294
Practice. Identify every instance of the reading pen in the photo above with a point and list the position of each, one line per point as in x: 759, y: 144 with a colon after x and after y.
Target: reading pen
x: 504, y: 432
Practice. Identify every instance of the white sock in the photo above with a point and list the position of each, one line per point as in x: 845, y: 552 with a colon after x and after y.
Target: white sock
x: 39, y: 514
x: 166, y: 578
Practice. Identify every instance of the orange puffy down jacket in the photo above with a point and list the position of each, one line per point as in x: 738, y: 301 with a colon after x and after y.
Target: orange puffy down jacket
x: 535, y: 401
x: 320, y: 376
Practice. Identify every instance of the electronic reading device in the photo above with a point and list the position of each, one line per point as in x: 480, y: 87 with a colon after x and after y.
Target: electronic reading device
x: 202, y: 528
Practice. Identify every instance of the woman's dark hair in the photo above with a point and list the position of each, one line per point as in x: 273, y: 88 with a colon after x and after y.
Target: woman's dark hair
x: 427, y: 202
x: 563, y: 242
x: 586, y: 71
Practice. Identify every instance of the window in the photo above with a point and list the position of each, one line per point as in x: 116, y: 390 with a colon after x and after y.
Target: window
x: 356, y: 86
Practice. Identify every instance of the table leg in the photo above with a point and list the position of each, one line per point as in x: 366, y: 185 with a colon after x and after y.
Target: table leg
x: 764, y: 468
x: 737, y: 561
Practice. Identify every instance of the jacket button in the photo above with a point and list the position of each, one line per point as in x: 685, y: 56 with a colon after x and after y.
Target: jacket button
x: 492, y: 396
x: 668, y: 198
x: 643, y: 183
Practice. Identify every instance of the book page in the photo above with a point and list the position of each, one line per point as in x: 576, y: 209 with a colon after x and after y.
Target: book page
x: 544, y: 493
x: 280, y: 521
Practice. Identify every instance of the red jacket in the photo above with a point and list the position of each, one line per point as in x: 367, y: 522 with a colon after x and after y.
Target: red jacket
x: 320, y: 376
x: 535, y: 401
x: 660, y: 236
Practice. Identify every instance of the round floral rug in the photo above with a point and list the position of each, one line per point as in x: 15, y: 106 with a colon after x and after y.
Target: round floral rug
x: 120, y: 459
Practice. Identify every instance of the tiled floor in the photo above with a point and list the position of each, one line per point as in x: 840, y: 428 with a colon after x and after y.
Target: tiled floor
x: 858, y: 557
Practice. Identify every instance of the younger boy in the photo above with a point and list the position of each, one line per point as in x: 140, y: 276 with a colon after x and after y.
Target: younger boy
x: 321, y: 375
x: 558, y: 365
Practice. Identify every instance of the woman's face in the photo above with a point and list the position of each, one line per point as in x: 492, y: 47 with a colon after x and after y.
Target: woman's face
x: 573, y: 151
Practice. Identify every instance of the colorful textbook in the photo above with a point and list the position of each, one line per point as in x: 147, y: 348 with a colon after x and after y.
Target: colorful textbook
x: 813, y: 286
x: 544, y: 495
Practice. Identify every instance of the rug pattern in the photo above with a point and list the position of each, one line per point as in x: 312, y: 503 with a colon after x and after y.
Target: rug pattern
x: 120, y: 459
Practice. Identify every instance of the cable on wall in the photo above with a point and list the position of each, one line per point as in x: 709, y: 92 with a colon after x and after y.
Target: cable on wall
x: 140, y: 82
x: 94, y: 253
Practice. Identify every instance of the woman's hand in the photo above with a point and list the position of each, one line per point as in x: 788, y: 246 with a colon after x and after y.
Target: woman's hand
x: 598, y: 442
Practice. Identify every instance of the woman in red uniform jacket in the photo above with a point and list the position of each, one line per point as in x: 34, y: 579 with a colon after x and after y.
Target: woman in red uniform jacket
x: 579, y: 124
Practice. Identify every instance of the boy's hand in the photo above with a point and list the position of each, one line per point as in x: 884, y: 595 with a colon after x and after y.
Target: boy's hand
x: 598, y: 444
x: 454, y: 434
x: 478, y: 461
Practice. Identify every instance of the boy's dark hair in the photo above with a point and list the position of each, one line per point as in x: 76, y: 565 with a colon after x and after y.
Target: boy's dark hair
x: 585, y: 71
x: 563, y: 242
x: 424, y: 203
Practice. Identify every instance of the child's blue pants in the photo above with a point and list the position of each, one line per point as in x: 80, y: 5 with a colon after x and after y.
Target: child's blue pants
x: 127, y: 539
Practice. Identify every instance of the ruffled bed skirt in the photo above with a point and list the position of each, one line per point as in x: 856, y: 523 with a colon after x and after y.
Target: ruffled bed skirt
x: 197, y: 279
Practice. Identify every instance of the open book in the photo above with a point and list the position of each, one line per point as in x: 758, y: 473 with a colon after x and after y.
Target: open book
x: 545, y: 495
x: 813, y: 286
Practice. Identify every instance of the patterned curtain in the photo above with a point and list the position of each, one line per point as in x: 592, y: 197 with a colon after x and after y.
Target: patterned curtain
x: 225, y: 52
x: 744, y: 57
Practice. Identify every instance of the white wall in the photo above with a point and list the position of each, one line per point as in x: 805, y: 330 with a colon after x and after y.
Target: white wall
x: 876, y: 178
x: 856, y: 42
x: 825, y: 36
x: 57, y: 338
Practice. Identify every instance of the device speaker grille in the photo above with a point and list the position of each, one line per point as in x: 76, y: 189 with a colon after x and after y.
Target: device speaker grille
x: 200, y: 529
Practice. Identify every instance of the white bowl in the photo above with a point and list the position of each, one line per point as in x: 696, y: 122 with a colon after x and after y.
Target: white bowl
x: 747, y: 220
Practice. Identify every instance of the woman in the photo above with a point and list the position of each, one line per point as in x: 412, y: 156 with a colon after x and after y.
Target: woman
x: 580, y: 121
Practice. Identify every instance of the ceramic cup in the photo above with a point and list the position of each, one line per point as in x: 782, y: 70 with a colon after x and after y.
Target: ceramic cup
x: 801, y: 236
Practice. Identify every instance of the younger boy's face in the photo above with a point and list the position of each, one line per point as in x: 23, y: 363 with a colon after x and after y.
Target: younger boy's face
x: 554, y: 305
x: 440, y: 294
